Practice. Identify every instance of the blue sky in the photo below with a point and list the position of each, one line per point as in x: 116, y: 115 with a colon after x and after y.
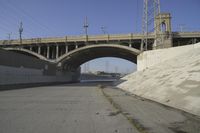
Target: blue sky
x: 49, y: 18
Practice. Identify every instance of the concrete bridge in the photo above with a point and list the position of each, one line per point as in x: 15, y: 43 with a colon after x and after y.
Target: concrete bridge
x: 63, y: 49
x: 71, y: 58
x: 70, y: 52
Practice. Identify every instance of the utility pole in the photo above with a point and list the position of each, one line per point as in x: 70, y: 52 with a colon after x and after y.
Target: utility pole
x: 86, y: 26
x: 20, y: 32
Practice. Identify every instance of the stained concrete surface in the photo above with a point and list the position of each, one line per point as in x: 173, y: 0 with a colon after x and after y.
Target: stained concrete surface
x: 79, y: 108
x: 152, y: 117
x: 83, y: 108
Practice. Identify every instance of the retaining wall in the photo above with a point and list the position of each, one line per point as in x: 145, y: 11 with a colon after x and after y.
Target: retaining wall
x: 21, y: 69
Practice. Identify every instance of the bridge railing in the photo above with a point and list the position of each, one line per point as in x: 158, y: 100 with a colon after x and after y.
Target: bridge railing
x: 82, y: 38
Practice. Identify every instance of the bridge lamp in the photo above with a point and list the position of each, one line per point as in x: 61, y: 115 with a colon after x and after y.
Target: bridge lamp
x: 85, y: 26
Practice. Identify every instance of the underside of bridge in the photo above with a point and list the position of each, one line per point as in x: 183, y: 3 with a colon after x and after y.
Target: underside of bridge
x: 74, y: 59
x: 24, y: 53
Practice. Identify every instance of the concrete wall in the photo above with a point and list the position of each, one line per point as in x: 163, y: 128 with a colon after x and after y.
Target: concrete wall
x: 151, y: 58
x: 20, y: 69
x: 11, y: 75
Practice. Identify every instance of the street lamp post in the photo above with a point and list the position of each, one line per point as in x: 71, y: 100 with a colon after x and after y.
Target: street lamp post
x: 85, y: 26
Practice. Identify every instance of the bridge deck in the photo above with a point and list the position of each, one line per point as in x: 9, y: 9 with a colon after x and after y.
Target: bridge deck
x: 83, y: 38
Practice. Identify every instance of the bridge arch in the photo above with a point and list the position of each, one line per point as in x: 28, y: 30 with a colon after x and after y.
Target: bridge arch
x: 77, y: 57
x: 28, y: 52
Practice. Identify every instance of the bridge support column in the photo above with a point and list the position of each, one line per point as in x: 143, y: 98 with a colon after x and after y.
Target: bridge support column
x: 52, y: 52
x: 48, y: 52
x: 31, y: 48
x: 141, y: 45
x: 66, y: 49
x: 194, y: 40
x: 39, y: 49
x: 57, y: 51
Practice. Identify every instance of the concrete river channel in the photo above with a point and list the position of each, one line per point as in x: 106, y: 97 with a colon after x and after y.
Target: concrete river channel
x: 88, y: 107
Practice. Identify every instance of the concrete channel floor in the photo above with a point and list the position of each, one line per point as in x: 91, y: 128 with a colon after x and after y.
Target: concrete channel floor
x: 152, y: 117
x: 78, y: 108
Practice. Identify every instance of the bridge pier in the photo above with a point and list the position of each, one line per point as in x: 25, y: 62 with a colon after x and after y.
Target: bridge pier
x: 194, y: 40
x: 31, y: 48
x: 48, y: 52
x: 39, y: 49
x: 57, y: 51
x: 51, y: 52
x: 66, y: 49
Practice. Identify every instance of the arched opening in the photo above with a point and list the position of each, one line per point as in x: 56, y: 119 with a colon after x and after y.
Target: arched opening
x: 76, y: 58
x: 163, y: 27
x: 73, y: 60
x: 107, y: 68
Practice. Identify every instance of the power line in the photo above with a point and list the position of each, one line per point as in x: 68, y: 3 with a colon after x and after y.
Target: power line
x: 31, y: 17
x: 9, y: 23
x: 20, y: 12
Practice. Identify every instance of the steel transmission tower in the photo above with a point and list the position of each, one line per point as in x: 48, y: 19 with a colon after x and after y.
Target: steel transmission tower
x: 151, y: 9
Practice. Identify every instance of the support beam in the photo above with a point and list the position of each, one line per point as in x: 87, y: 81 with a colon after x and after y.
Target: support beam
x: 194, y: 40
x: 39, y: 49
x: 53, y: 52
x: 57, y: 51
x: 66, y: 49
x: 31, y: 48
x: 48, y: 53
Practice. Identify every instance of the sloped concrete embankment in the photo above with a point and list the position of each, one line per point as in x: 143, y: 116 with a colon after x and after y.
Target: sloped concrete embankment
x: 174, y: 82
